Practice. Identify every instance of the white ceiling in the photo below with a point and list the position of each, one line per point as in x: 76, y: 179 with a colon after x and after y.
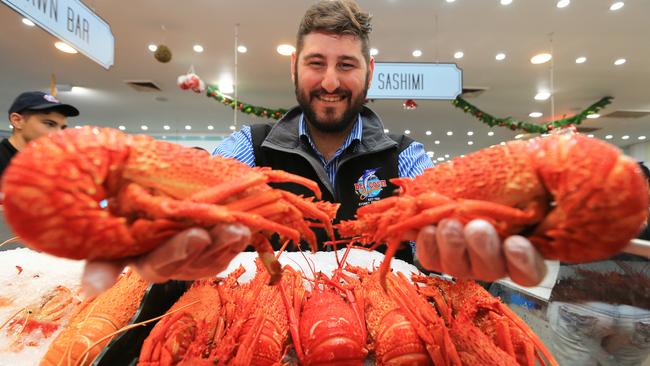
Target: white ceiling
x: 480, y: 28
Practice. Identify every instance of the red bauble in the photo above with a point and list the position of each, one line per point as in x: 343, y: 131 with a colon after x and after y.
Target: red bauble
x: 409, y: 104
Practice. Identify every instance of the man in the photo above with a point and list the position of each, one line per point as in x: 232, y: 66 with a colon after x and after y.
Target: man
x: 334, y: 140
x: 32, y: 115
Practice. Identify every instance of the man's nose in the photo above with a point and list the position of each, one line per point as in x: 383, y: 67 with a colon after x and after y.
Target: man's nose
x: 330, y: 80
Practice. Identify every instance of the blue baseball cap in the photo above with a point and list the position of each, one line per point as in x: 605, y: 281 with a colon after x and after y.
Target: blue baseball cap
x: 39, y: 101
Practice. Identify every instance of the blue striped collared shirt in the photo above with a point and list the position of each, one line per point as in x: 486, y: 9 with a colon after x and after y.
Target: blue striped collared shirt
x: 410, y: 163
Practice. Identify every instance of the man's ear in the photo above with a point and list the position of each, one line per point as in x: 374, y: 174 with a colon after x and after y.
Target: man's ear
x: 294, y: 59
x: 371, y: 70
x: 17, y: 121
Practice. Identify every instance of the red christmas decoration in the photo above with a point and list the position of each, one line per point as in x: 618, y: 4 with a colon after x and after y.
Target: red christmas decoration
x: 409, y: 104
x: 191, y: 81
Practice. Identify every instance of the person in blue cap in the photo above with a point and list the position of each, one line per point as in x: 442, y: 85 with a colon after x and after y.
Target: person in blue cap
x: 32, y: 115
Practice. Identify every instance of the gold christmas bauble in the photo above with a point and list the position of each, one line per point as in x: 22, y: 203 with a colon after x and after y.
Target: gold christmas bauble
x: 163, y: 54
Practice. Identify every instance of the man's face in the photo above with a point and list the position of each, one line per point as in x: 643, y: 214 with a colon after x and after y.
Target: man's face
x: 34, y: 125
x: 331, y: 78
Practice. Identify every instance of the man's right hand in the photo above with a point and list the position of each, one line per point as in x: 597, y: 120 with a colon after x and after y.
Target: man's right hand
x: 192, y: 254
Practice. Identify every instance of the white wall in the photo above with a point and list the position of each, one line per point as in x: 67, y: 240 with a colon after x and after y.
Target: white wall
x: 640, y: 151
x: 205, y: 142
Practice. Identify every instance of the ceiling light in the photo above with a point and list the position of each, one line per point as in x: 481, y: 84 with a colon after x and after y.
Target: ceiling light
x: 470, y: 142
x: 210, y: 127
x: 500, y: 56
x: 641, y: 137
x: 374, y: 52
x: 437, y: 142
x: 144, y: 127
x: 502, y: 143
x: 491, y: 133
x: 232, y: 127
x: 122, y: 128
x: 541, y: 58
x: 77, y: 126
x: 542, y: 95
x: 625, y: 137
x: 506, y: 2
x: 428, y: 133
x: 620, y: 61
x: 581, y: 60
x: 407, y: 132
x: 519, y: 136
x: 28, y: 22
x: 590, y: 135
x: 593, y: 116
x: 198, y: 48
x: 450, y: 133
x: 609, y: 137
x: 441, y: 159
x: 152, y: 47
x: 459, y: 54
x: 450, y: 1
x: 64, y: 47
x: 446, y: 156
x: 188, y: 127
x: 166, y: 128
x: 225, y: 84
x: 242, y: 49
x: 430, y: 154
x: 535, y: 114
x: 386, y: 130
x: 563, y: 3
x: 617, y: 5
x: 470, y: 133
x: 417, y: 53
x: 286, y: 49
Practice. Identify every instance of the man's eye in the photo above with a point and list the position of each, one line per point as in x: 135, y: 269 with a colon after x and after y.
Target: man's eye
x: 347, y: 66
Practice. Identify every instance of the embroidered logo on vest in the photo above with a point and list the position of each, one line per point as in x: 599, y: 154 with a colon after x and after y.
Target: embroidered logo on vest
x: 368, y: 186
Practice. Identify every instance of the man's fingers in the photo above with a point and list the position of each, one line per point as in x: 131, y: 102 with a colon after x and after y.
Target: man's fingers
x: 525, y: 265
x: 228, y: 234
x: 453, y: 248
x: 99, y: 276
x: 485, y: 253
x: 426, y: 248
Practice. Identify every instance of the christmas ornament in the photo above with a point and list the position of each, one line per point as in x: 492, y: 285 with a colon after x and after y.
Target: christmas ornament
x: 409, y: 104
x: 163, y: 54
x: 191, y: 81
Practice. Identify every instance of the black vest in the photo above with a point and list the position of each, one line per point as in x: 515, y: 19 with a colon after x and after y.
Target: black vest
x: 362, y: 176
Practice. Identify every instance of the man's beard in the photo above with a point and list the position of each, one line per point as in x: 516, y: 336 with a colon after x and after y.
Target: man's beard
x: 350, y: 115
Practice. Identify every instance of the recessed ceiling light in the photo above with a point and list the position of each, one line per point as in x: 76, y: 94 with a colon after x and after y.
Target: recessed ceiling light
x: 500, y: 56
x: 491, y: 133
x: 459, y: 54
x: 144, y: 127
x: 519, y: 136
x: 470, y: 142
x: 641, y: 137
x: 64, y: 47
x: 590, y: 135
x: 450, y: 133
x: 506, y: 2
x: 77, y: 126
x: 430, y: 154
x: 374, y: 52
x: 122, y: 128
x: 446, y: 156
x: 188, y: 127
x: 541, y: 58
x: 441, y: 159
x: 535, y: 114
x: 581, y: 60
x: 450, y: 1
x: 542, y: 95
x: 225, y: 84
x: 417, y: 53
x: 386, y: 130
x: 625, y: 137
x: 286, y: 49
x: 28, y: 22
x: 593, y: 116
x: 152, y: 47
x: 470, y: 133
x: 620, y: 61
x: 242, y: 49
x: 407, y: 132
x: 617, y: 5
x: 198, y: 48
x: 166, y: 128
x: 563, y: 3
x: 609, y: 137
x: 437, y: 142
x: 428, y: 133
x: 210, y: 127
x: 502, y: 143
x: 232, y: 127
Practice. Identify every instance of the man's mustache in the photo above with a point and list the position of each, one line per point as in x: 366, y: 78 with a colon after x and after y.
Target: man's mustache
x: 338, y: 92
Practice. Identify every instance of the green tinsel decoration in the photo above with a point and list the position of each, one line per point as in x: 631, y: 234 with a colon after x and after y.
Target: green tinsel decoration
x: 528, y: 127
x: 213, y: 91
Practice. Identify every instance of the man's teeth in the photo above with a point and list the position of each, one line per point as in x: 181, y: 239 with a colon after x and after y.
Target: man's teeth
x: 330, y: 99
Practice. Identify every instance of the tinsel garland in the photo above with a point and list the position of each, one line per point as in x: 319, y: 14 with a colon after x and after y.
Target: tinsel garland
x: 213, y: 91
x: 527, y: 126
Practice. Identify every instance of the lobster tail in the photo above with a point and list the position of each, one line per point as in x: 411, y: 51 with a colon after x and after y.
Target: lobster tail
x: 599, y: 195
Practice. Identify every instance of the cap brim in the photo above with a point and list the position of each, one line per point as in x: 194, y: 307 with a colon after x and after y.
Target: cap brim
x: 65, y: 109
